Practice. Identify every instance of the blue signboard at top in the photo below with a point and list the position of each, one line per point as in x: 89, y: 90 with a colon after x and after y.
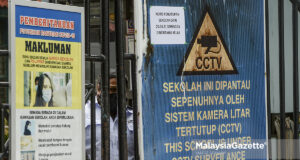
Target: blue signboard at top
x: 203, y: 90
x: 58, y: 25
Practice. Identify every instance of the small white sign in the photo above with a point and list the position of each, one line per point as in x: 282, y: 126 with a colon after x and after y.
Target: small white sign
x: 167, y: 25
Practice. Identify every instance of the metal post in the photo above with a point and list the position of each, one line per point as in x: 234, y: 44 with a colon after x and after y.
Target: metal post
x: 105, y: 117
x: 131, y: 57
x: 296, y: 78
x: 93, y: 114
x: 123, y: 154
x: 268, y: 77
x: 281, y: 75
x: 87, y: 27
x: 88, y: 53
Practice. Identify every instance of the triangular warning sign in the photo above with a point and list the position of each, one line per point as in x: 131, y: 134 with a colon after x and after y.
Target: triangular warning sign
x: 207, y: 53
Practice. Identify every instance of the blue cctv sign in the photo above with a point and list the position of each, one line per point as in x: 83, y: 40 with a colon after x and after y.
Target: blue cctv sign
x: 203, y: 89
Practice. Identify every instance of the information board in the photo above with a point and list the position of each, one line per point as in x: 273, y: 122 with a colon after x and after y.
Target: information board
x: 205, y: 99
x: 46, y: 63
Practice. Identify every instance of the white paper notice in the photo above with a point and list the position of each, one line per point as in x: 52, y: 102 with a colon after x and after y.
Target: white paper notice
x: 167, y: 25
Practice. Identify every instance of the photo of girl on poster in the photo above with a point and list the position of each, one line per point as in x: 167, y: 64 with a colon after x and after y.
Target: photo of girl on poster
x: 47, y: 89
x: 44, y: 93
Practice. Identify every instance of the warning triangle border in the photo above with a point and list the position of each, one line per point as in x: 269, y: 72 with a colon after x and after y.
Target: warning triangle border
x: 180, y: 71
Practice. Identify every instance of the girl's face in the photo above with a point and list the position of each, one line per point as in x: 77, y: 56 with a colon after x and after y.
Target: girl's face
x: 47, y: 84
x: 47, y: 91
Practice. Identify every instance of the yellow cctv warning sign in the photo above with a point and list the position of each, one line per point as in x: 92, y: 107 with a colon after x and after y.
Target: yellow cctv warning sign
x: 207, y: 53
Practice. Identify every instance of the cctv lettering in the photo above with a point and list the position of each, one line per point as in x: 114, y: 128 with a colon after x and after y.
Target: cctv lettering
x: 202, y: 130
x: 212, y: 63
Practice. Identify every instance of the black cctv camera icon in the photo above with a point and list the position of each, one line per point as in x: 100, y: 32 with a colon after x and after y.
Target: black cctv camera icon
x: 209, y: 42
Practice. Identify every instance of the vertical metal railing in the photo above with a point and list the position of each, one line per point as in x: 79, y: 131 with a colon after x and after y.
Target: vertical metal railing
x: 281, y: 75
x: 295, y: 78
x: 132, y: 59
x: 92, y: 74
x: 90, y: 95
x: 268, y: 76
x: 105, y: 117
x: 122, y: 131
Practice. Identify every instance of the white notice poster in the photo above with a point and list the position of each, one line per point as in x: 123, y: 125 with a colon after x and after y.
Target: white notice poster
x: 167, y: 25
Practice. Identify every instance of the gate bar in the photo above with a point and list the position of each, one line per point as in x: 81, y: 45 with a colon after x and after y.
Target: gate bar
x: 281, y: 75
x: 296, y: 72
x: 3, y: 52
x: 296, y: 78
x: 93, y: 112
x: 105, y: 117
x: 94, y: 58
x: 268, y: 77
x: 123, y: 153
x: 131, y: 57
x: 4, y: 84
x: 92, y: 73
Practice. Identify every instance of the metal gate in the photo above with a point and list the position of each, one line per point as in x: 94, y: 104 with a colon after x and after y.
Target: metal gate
x: 282, y: 138
x: 121, y: 57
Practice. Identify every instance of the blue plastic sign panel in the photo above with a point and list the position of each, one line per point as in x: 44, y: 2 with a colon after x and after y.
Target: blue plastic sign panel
x: 205, y: 99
